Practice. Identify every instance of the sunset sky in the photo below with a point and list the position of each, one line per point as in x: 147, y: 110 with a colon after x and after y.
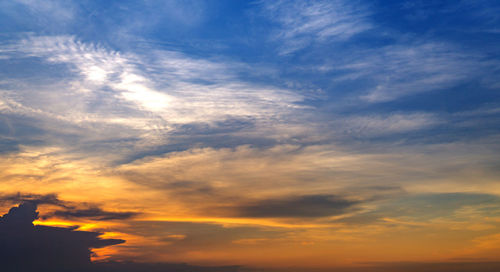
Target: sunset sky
x: 261, y: 134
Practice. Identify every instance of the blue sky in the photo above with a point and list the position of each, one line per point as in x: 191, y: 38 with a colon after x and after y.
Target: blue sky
x: 419, y: 63
x: 255, y: 103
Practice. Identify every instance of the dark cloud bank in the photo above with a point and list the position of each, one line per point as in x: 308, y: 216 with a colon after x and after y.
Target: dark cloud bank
x: 28, y: 248
x: 25, y: 247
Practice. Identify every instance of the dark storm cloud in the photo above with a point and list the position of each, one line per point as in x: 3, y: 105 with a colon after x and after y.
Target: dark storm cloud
x: 297, y: 206
x: 25, y: 247
x: 69, y: 210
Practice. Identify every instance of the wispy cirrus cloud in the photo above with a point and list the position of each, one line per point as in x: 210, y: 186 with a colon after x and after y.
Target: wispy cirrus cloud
x: 303, y: 23
x: 392, y: 66
x: 127, y: 76
x: 388, y: 124
x: 137, y: 96
x: 54, y: 11
x: 396, y: 71
x: 416, y: 69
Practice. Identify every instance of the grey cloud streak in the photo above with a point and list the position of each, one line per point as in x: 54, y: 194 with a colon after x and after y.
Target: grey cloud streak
x: 94, y: 213
x: 296, y: 206
x: 67, y: 209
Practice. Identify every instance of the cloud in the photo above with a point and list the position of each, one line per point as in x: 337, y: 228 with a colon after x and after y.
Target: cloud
x: 204, y: 138
x: 303, y: 23
x: 160, y: 267
x: 390, y: 124
x: 181, y: 100
x: 54, y: 15
x: 483, y: 13
x: 25, y: 247
x: 66, y: 209
x: 404, y: 69
x: 38, y: 199
x: 94, y: 213
x: 425, y: 207
x: 133, y: 101
x: 389, y: 62
x: 8, y: 145
x: 459, y: 210
x: 169, y: 240
x: 202, y: 177
x: 21, y: 216
x: 297, y: 206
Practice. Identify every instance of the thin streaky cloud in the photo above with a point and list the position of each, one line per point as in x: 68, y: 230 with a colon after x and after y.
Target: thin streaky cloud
x: 303, y: 23
x: 115, y: 93
x: 397, y: 71
x: 175, y: 103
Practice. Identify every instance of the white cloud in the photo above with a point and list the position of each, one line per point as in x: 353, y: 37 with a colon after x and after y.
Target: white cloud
x: 405, y: 69
x: 164, y: 85
x: 376, y: 125
x: 304, y: 22
x: 132, y: 103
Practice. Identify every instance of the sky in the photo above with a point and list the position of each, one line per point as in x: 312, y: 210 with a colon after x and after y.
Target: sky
x: 268, y: 135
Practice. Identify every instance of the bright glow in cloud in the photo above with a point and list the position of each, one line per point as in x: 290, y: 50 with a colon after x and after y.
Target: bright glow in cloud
x: 179, y: 101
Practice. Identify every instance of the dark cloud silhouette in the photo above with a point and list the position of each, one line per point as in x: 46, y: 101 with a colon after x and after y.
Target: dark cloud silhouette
x: 94, y: 213
x: 297, y: 206
x: 69, y: 210
x: 48, y: 199
x: 159, y: 267
x: 28, y: 248
x: 25, y: 247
